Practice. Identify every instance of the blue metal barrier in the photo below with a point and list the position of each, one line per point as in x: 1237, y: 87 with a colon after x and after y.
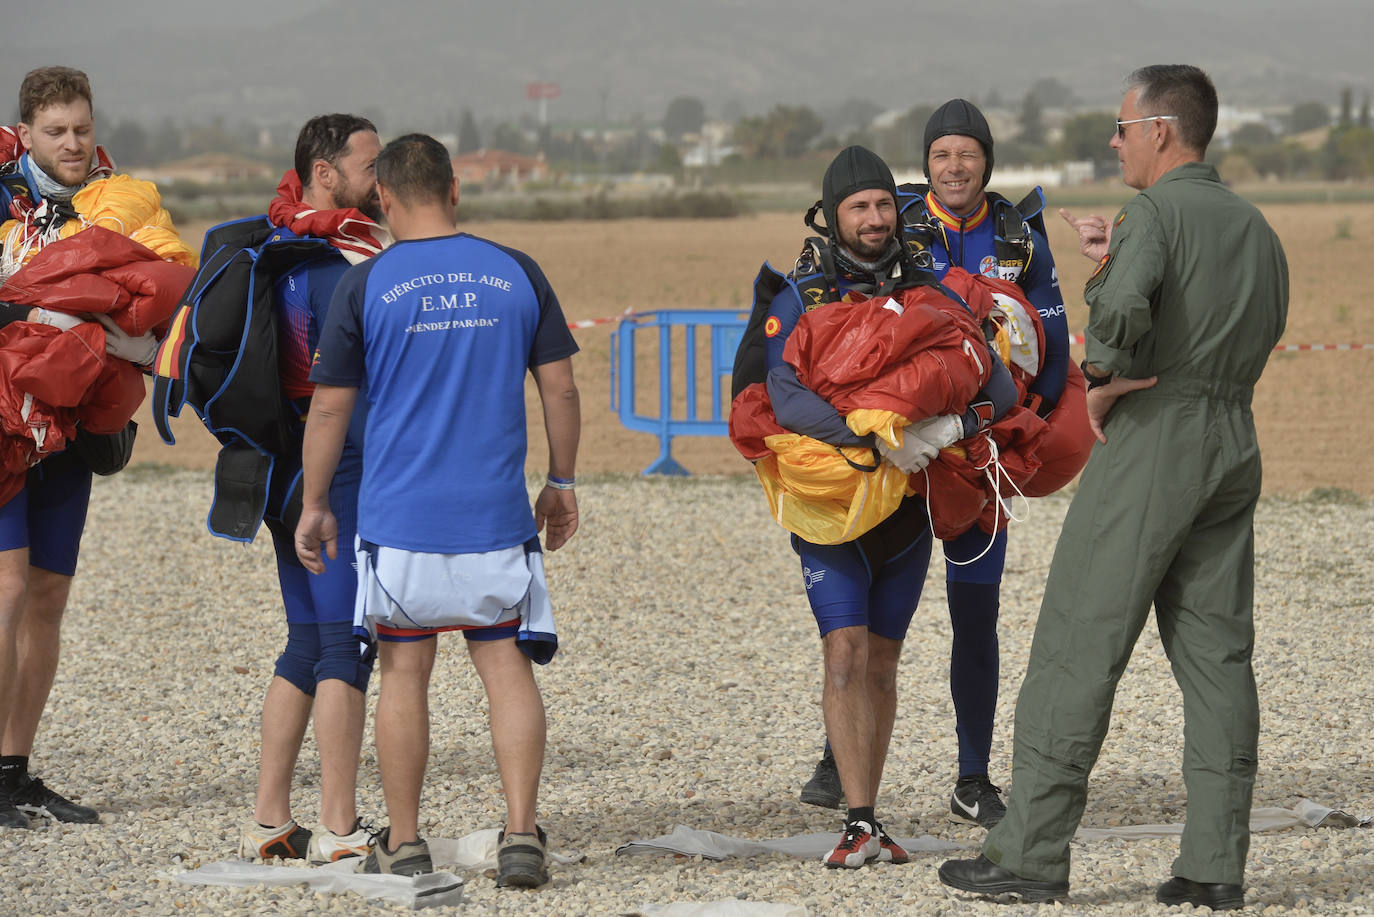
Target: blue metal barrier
x: 726, y: 328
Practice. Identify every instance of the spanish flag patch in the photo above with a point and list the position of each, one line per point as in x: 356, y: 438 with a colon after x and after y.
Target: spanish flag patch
x: 772, y: 326
x: 1100, y: 265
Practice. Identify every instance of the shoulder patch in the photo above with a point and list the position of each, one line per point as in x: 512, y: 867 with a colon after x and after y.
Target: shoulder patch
x: 771, y: 326
x: 1101, y: 265
x: 1119, y: 217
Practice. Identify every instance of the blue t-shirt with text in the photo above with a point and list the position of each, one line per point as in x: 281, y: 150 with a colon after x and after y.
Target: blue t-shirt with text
x: 440, y: 333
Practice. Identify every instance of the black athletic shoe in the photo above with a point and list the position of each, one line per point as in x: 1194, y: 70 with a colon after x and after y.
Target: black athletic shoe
x: 824, y: 789
x: 976, y: 799
x: 34, y: 799
x: 11, y: 817
x: 1219, y: 896
x: 984, y: 877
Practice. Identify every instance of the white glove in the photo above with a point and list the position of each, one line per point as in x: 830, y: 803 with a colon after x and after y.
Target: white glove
x: 940, y: 431
x: 139, y: 351
x: 912, y: 455
x: 57, y: 319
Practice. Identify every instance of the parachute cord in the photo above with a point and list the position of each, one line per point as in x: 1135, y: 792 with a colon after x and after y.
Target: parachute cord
x: 995, y: 474
x: 24, y: 239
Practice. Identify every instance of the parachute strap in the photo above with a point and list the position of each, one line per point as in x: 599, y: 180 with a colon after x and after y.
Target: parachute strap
x: 877, y: 460
x: 1014, y: 222
x: 810, y: 219
x: 1032, y: 206
x: 918, y: 227
x: 1010, y: 226
x: 14, y: 181
x: 817, y: 258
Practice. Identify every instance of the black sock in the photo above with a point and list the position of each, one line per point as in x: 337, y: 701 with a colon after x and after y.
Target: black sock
x: 12, y: 768
x: 861, y: 813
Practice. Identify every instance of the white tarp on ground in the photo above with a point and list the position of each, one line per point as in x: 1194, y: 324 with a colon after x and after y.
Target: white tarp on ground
x: 713, y: 846
x: 477, y: 851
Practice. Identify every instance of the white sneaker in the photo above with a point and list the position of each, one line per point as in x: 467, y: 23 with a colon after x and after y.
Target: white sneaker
x: 328, y: 847
x: 288, y: 841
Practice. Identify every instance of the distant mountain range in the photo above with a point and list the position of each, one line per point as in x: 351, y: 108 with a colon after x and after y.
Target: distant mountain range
x: 420, y: 62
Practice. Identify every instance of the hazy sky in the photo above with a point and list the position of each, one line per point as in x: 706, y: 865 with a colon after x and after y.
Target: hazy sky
x: 409, y: 60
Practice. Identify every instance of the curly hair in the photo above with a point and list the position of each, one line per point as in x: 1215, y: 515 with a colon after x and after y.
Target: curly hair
x: 51, y: 86
x: 326, y: 137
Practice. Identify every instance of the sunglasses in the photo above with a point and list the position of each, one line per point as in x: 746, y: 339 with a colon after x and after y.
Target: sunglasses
x: 1121, y: 125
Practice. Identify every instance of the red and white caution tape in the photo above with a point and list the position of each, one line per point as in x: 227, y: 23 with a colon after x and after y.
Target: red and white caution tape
x: 593, y: 322
x: 1296, y: 347
x: 1284, y: 348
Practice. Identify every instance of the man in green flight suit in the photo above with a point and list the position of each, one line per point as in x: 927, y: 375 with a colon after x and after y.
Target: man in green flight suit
x: 1189, y: 298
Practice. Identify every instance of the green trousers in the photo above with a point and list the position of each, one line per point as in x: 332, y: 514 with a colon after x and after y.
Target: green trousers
x: 1163, y: 515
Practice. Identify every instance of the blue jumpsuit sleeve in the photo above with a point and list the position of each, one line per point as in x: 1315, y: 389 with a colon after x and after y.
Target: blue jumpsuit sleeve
x: 1041, y: 284
x: 993, y: 400
x: 13, y: 312
x: 797, y: 407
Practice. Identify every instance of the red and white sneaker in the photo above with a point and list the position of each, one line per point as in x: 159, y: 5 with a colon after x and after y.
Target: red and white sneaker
x: 889, y: 851
x: 857, y: 846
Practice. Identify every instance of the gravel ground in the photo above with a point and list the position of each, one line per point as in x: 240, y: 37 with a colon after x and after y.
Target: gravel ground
x: 686, y: 692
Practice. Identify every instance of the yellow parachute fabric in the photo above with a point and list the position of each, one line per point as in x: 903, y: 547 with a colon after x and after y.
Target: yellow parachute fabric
x: 817, y: 495
x: 129, y: 206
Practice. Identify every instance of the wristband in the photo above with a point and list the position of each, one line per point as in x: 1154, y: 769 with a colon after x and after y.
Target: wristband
x: 1092, y: 378
x: 560, y: 483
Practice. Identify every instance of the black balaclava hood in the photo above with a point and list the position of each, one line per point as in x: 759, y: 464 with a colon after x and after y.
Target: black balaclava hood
x: 854, y: 169
x: 958, y: 116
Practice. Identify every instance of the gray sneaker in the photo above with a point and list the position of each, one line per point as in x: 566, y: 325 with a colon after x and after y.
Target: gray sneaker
x: 522, y: 859
x: 408, y: 859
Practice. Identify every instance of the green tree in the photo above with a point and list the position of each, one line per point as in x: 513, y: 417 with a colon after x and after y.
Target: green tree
x: 1032, y: 121
x: 1271, y: 159
x: 1252, y: 134
x: 784, y: 133
x: 903, y: 142
x: 1051, y: 93
x: 1364, y: 112
x: 1349, y: 153
x: 208, y: 138
x: 165, y: 143
x: 685, y: 115
x: 1087, y: 136
x: 668, y: 160
x: 469, y: 137
x: 853, y: 114
x: 1307, y: 116
x: 128, y: 143
x: 1347, y: 107
x: 508, y: 137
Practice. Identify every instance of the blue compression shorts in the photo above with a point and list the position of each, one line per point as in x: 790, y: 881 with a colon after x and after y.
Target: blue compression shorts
x: 329, y: 597
x: 49, y: 514
x: 844, y: 591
